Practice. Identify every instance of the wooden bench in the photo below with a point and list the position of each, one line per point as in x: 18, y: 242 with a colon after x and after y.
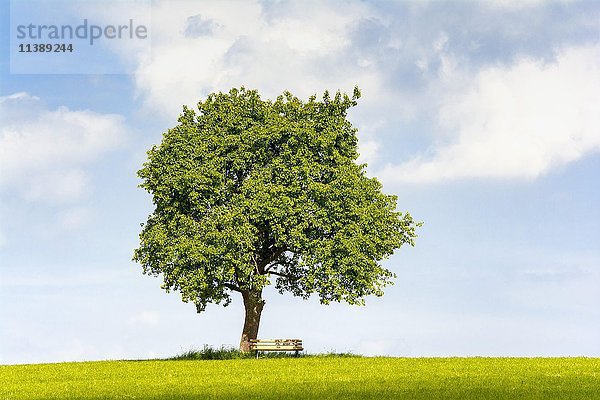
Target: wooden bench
x: 276, y: 345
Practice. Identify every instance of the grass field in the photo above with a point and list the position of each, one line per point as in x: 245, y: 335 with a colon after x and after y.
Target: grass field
x: 308, y: 378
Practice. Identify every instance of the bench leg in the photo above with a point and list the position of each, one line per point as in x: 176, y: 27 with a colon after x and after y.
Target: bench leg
x: 257, y: 354
x: 296, y: 353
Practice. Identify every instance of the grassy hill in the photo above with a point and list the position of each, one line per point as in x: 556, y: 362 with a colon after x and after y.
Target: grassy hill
x: 308, y: 378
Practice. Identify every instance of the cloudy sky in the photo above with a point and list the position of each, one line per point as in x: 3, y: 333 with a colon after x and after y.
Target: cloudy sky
x: 481, y: 116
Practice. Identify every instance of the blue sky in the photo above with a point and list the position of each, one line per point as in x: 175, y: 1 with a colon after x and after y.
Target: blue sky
x: 481, y: 117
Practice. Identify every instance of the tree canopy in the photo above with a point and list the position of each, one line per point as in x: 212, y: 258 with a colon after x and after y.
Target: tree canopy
x: 251, y: 192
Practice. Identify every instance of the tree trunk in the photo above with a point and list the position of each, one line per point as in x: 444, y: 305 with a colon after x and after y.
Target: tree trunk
x: 253, y: 303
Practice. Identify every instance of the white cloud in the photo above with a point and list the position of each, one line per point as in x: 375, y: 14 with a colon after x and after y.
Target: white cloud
x: 21, y: 277
x: 368, y: 144
x: 368, y: 151
x: 518, y: 5
x: 43, y: 152
x: 272, y: 47
x: 75, y: 218
x: 518, y: 121
x: 57, y: 186
x: 145, y: 318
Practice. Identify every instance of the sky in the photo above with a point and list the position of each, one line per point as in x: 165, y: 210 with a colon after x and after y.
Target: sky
x: 482, y: 117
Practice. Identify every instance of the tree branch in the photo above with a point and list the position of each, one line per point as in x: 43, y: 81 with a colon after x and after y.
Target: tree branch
x: 282, y: 275
x: 263, y: 267
x: 268, y: 267
x: 232, y: 287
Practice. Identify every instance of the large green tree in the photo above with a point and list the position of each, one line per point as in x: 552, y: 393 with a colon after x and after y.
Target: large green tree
x: 251, y: 192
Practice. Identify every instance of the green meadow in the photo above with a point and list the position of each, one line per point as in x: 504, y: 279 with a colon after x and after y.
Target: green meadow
x: 309, y: 377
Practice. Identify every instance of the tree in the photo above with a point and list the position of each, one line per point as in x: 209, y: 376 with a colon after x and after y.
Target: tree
x: 250, y: 192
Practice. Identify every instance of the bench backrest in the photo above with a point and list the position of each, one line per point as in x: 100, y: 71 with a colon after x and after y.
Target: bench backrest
x: 276, y: 344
